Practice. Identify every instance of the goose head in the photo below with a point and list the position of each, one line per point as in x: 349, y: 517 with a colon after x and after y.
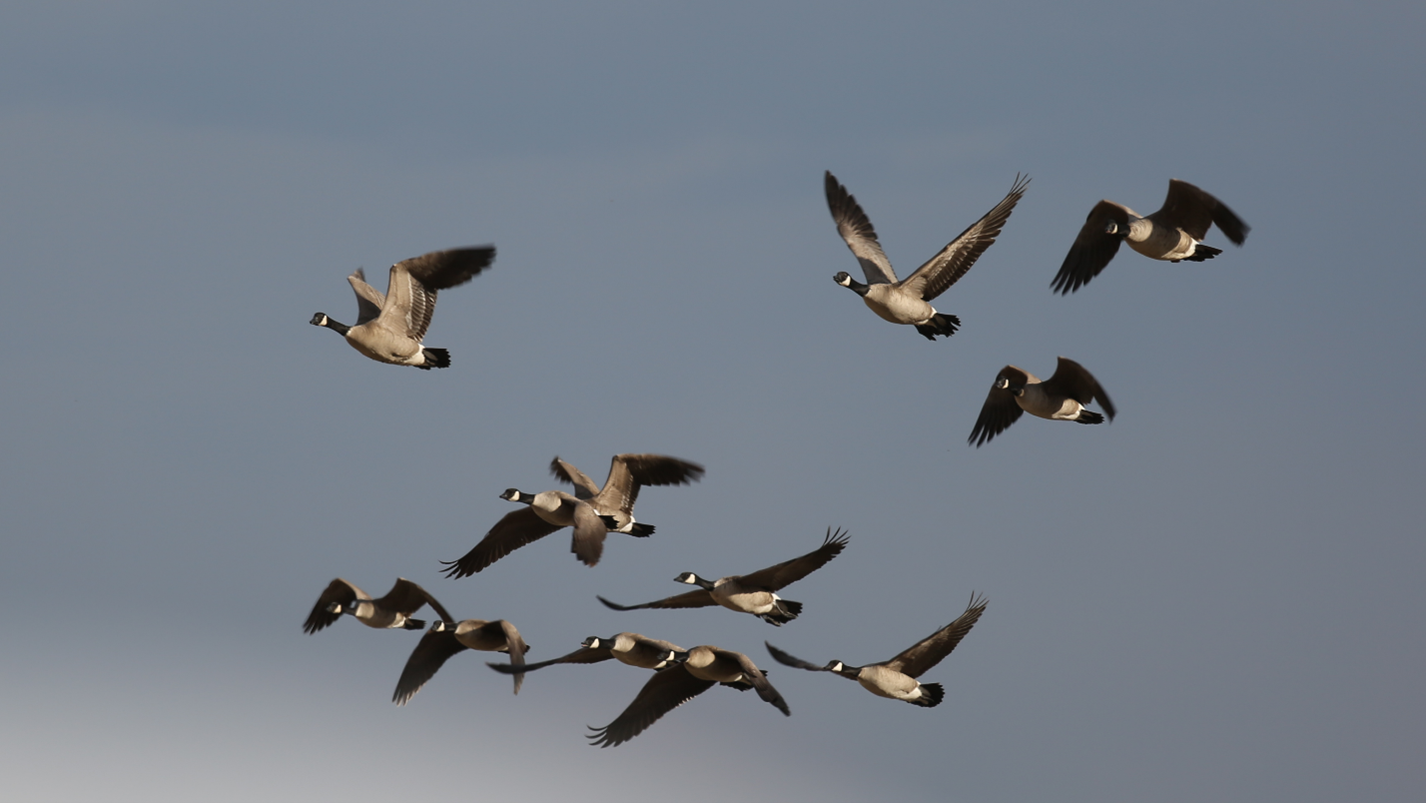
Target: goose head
x: 595, y: 642
x: 694, y: 580
x: 845, y: 279
x: 1004, y: 384
x: 517, y: 496
x: 842, y: 669
x: 321, y: 319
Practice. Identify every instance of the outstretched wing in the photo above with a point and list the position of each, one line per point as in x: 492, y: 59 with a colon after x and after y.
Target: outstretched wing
x: 929, y: 651
x: 997, y: 414
x: 1072, y: 380
x: 514, y: 530
x: 857, y: 232
x: 790, y: 571
x: 698, y: 598
x: 369, y: 299
x: 945, y: 268
x: 431, y: 652
x: 662, y: 693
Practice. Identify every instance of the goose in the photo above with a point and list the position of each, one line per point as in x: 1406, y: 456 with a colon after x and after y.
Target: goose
x: 908, y: 301
x: 592, y: 511
x: 444, y: 640
x: 751, y: 593
x: 390, y: 611
x: 1062, y: 397
x: 633, y: 649
x: 701, y: 668
x: 1174, y: 233
x: 390, y: 327
x: 896, y: 678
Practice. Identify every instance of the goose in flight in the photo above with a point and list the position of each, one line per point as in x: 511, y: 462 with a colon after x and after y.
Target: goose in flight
x: 445, y: 639
x: 700, y: 669
x: 392, y: 610
x: 908, y: 301
x: 896, y: 678
x: 751, y: 593
x: 390, y: 327
x: 1174, y: 233
x: 592, y: 511
x: 1062, y: 397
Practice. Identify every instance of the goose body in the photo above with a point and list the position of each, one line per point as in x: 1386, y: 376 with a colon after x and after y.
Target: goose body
x: 908, y: 301
x: 753, y: 593
x: 444, y: 640
x: 390, y: 611
x: 391, y: 326
x: 1174, y: 233
x: 592, y: 511
x: 701, y: 669
x: 1062, y: 397
x: 896, y: 678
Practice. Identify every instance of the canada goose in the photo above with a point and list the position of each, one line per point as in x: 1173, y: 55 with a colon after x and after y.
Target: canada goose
x: 592, y: 513
x: 628, y: 648
x: 1174, y: 233
x: 390, y: 327
x: 1062, y: 397
x: 751, y: 593
x: 444, y: 640
x: 701, y: 668
x: 908, y: 301
x: 392, y: 610
x: 896, y: 678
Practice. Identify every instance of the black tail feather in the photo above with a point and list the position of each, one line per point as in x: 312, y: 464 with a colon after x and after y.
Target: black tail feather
x: 939, y: 324
x: 435, y: 358
x: 1089, y: 417
x: 931, y: 695
x: 1202, y: 252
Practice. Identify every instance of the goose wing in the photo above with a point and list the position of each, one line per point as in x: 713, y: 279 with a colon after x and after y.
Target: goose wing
x: 662, y: 693
x: 999, y: 410
x: 629, y: 472
x: 942, y: 270
x: 1093, y: 247
x: 339, y: 591
x: 411, y: 293
x: 929, y: 651
x: 514, y: 530
x: 790, y: 571
x: 787, y: 659
x: 587, y: 542
x: 406, y: 597
x: 583, y: 655
x: 857, y: 232
x: 1072, y: 380
x: 431, y: 652
x: 1189, y: 208
x: 757, y: 678
x: 584, y: 487
x: 698, y: 598
x: 369, y: 299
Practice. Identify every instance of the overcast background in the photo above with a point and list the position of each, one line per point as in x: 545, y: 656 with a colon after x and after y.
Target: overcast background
x: 1218, y: 596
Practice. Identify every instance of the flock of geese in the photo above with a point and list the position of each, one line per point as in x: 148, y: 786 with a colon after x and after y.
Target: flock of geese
x: 391, y: 328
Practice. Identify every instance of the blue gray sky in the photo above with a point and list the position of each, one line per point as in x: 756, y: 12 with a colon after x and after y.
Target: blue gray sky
x: 1216, y: 597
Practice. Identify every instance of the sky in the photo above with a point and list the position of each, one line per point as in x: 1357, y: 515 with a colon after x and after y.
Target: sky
x: 1216, y: 596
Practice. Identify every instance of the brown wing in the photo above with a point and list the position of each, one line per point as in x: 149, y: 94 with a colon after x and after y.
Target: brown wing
x: 698, y: 598
x: 411, y: 293
x: 1189, y: 208
x: 514, y: 530
x: 945, y: 268
x: 929, y: 651
x: 1093, y: 247
x: 1072, y: 380
x: 999, y: 410
x: 857, y: 232
x: 787, y: 659
x: 628, y: 472
x: 431, y: 652
x: 338, y: 591
x: 406, y: 597
x: 583, y: 655
x: 663, y: 692
x: 790, y: 571
x: 587, y: 543
x: 584, y: 487
x: 369, y: 299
